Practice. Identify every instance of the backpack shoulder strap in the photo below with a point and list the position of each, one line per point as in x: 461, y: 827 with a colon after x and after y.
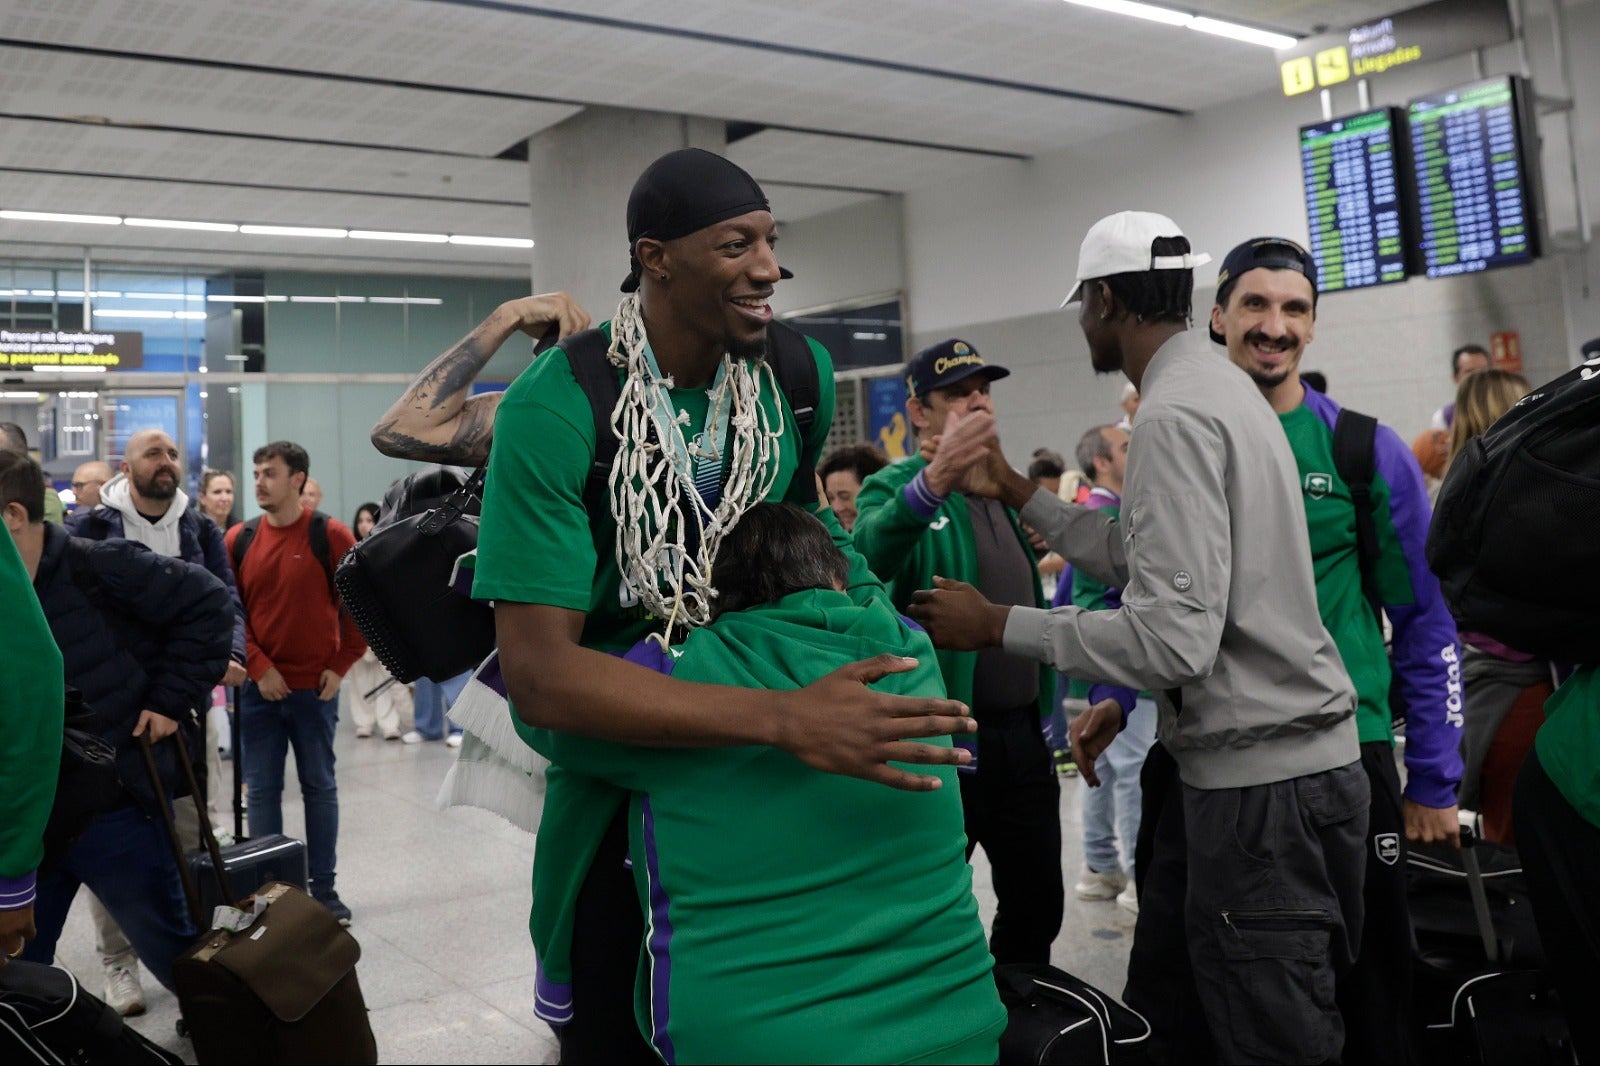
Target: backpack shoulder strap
x: 586, y: 354
x: 1355, y: 446
x: 317, y: 533
x: 241, y: 543
x: 795, y: 369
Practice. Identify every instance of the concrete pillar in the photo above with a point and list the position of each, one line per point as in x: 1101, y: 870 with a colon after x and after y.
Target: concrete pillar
x: 582, y: 171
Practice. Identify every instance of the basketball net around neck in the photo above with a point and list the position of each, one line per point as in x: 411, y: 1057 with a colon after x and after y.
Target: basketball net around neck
x: 650, y: 492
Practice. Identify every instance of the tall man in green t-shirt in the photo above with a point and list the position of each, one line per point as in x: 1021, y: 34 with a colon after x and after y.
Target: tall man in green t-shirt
x: 705, y: 432
x: 1265, y: 314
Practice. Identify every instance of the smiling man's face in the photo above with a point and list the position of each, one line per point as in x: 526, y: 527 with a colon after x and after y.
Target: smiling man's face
x: 723, y: 278
x: 1268, y: 320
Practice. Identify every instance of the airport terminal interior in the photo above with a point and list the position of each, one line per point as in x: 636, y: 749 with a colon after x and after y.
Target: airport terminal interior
x: 297, y: 241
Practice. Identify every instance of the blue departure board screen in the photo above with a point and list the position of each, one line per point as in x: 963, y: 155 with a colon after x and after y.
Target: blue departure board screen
x: 1475, y: 206
x: 1353, y: 203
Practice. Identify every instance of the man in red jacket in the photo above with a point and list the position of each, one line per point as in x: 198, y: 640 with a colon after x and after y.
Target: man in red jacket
x: 299, y: 645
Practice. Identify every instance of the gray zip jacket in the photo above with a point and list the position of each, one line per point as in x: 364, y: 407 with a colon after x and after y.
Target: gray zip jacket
x: 1219, y: 604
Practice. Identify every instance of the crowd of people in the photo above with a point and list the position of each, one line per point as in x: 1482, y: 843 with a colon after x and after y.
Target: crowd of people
x: 1219, y: 615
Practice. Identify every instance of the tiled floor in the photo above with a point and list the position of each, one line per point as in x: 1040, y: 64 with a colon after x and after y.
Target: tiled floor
x: 441, y: 906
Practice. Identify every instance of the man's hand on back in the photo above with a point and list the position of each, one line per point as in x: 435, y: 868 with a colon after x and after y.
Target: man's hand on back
x: 840, y: 726
x: 534, y: 315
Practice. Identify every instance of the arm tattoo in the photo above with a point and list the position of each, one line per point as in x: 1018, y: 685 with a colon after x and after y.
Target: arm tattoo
x: 436, y: 403
x: 448, y: 376
x: 468, y: 446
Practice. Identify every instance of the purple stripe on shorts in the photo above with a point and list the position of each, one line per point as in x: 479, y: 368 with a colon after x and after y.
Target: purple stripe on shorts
x: 489, y: 674
x: 660, y: 940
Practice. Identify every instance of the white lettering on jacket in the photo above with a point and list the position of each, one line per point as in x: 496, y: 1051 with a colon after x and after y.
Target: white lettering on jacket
x: 1452, y: 703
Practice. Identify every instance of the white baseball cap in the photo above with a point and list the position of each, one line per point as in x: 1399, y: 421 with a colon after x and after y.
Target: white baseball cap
x: 1120, y: 244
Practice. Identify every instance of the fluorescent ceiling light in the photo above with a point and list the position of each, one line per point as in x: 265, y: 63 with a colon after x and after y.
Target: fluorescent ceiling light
x: 1138, y: 10
x: 178, y: 223
x: 492, y: 242
x: 431, y: 301
x: 1202, y: 23
x: 293, y: 231
x: 133, y: 312
x: 231, y: 299
x: 69, y: 370
x: 19, y: 395
x: 313, y: 299
x: 197, y: 316
x: 1234, y: 31
x: 57, y: 216
x: 161, y: 296
x: 80, y: 395
x: 389, y: 235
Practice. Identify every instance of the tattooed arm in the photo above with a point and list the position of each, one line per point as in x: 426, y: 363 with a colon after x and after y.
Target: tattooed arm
x: 435, y: 420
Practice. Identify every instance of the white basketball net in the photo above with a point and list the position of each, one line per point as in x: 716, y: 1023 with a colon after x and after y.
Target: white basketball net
x: 648, y: 489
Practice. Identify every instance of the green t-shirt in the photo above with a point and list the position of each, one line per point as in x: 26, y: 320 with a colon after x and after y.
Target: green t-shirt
x: 794, y: 915
x: 538, y: 544
x: 31, y: 704
x: 1569, y: 742
x: 1336, y: 561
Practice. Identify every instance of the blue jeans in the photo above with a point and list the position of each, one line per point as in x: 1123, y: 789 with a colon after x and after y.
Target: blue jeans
x: 433, y: 699
x: 1112, y: 810
x: 126, y: 859
x: 267, y: 729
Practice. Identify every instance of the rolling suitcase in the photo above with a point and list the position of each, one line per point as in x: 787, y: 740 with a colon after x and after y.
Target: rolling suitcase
x: 274, y: 979
x: 1479, y: 992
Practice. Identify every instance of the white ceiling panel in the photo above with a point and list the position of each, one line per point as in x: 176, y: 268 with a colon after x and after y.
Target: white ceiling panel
x: 774, y: 155
x: 791, y: 203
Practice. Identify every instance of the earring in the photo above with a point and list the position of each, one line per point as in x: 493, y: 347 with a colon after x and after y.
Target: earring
x: 662, y: 275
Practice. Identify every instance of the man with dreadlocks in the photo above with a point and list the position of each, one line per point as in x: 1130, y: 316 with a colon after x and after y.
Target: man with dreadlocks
x: 1219, y: 616
x: 702, y: 432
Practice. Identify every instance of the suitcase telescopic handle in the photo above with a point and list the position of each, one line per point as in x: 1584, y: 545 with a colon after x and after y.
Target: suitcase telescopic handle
x: 207, y: 837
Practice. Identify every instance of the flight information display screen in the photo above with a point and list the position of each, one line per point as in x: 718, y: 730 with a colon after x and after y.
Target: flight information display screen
x: 1353, y: 203
x: 1475, y: 208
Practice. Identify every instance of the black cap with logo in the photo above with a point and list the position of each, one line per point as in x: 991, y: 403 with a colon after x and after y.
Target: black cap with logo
x: 945, y: 364
x: 1273, y: 253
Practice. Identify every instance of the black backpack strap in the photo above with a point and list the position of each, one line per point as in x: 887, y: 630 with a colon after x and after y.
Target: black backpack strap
x: 241, y: 544
x: 1355, y: 446
x: 795, y: 369
x: 586, y: 354
x: 318, y: 535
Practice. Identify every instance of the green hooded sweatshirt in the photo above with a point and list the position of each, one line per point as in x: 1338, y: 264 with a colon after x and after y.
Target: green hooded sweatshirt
x: 794, y: 915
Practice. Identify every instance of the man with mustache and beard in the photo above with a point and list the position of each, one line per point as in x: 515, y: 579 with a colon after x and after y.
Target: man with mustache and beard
x: 1265, y: 315
x: 1257, y: 843
x: 144, y: 502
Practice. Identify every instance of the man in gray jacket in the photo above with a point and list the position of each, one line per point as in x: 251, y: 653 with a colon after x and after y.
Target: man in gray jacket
x: 1219, y: 616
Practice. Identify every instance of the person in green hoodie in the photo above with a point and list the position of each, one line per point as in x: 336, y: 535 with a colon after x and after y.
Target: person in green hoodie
x: 32, y: 699
x: 793, y: 915
x: 915, y: 522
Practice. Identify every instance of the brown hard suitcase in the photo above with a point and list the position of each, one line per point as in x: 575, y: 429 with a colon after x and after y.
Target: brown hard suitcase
x: 283, y: 988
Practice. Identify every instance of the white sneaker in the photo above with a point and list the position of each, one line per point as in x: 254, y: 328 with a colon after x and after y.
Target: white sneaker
x: 453, y: 740
x: 123, y: 993
x: 413, y: 737
x: 1128, y: 898
x: 363, y: 732
x: 1092, y: 884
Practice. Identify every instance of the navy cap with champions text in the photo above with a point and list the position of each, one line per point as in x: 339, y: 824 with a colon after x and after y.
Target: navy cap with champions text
x: 1271, y: 253
x: 683, y: 192
x: 945, y: 364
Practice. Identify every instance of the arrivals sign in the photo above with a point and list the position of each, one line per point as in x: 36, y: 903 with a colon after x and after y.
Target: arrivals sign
x: 50, y: 349
x: 1422, y: 34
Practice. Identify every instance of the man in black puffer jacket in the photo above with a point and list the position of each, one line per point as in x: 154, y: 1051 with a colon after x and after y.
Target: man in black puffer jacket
x: 144, y: 638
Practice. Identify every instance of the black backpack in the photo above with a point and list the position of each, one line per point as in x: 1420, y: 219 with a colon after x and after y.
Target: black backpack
x: 1516, y: 529
x: 318, y: 534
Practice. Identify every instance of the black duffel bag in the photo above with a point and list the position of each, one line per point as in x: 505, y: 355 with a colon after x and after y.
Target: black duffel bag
x: 87, y: 785
x: 1054, y: 1017
x: 396, y: 586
